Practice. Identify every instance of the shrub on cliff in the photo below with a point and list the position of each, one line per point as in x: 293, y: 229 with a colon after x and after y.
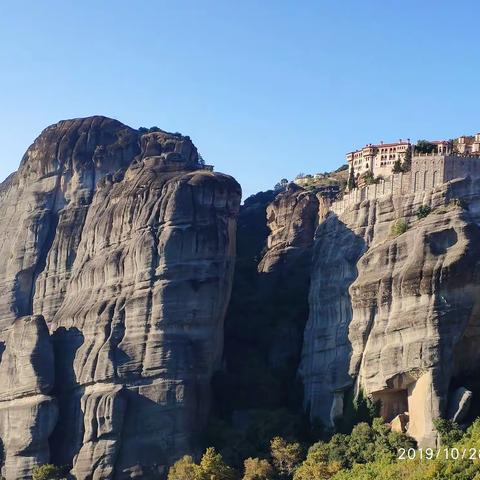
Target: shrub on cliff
x: 399, y: 227
x: 423, y: 211
x: 47, y: 472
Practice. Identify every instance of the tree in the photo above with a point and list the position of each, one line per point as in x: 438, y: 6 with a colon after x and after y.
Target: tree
x: 397, y: 167
x: 368, y: 178
x: 309, y: 470
x: 317, y: 465
x: 424, y: 146
x: 257, y: 469
x: 184, y: 469
x: 361, y: 447
x: 449, y: 431
x: 351, y: 179
x: 212, y: 467
x: 285, y: 456
x: 406, y: 165
x: 407, y: 160
x: 201, y: 161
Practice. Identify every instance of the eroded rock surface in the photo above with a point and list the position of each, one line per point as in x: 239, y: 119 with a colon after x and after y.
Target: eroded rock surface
x: 292, y: 218
x: 394, y: 305
x: 28, y: 412
x: 126, y: 246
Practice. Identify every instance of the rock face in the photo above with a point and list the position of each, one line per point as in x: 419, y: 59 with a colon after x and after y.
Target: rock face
x: 126, y: 247
x: 394, y: 303
x: 27, y: 412
x: 285, y: 269
x: 292, y: 218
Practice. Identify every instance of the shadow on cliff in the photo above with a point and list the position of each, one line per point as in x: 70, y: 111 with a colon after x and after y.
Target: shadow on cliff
x: 327, y: 349
x: 66, y: 439
x: 259, y: 393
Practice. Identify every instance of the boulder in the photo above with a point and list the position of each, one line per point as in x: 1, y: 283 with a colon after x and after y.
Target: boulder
x: 400, y: 423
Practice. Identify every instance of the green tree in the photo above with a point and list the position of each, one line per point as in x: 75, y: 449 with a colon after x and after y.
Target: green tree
x: 184, y: 469
x: 351, y: 179
x: 285, y: 456
x: 397, y: 167
x: 369, y: 178
x: 257, y: 469
x: 407, y: 161
x: 317, y: 465
x: 361, y: 445
x: 449, y: 431
x: 212, y: 467
x: 424, y: 146
x: 316, y: 471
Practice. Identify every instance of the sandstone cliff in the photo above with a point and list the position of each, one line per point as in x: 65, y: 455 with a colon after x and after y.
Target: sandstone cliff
x: 394, y: 306
x: 125, y: 247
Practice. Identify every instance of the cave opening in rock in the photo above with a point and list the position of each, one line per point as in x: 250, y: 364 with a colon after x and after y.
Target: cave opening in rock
x: 393, y: 402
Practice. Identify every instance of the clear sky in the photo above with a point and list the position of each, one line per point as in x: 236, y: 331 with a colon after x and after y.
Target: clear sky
x: 266, y: 88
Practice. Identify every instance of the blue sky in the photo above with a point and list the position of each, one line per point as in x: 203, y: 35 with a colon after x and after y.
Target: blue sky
x: 266, y: 89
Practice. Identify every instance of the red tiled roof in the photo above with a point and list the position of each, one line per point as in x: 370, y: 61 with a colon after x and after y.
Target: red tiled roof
x: 379, y: 145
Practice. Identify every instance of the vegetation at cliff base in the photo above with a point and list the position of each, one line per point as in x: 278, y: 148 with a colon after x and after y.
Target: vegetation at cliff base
x: 370, y: 452
x: 292, y: 460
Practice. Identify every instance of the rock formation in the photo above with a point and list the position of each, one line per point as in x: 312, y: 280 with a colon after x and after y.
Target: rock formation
x: 28, y: 412
x: 292, y: 218
x: 265, y: 321
x: 394, y: 305
x: 125, y: 246
x: 285, y: 269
